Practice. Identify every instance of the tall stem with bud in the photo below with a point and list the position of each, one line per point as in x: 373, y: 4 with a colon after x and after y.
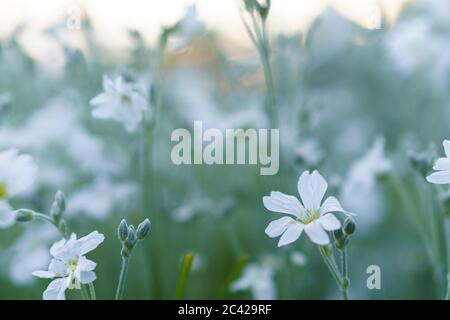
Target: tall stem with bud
x: 129, y: 237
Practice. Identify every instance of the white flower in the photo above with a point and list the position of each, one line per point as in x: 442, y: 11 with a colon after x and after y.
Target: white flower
x: 360, y: 192
x: 187, y: 29
x: 259, y: 279
x: 69, y: 267
x: 311, y: 215
x: 442, y: 167
x: 17, y: 175
x: 120, y: 101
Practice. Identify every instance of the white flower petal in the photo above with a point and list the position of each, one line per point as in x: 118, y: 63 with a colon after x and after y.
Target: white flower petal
x: 56, y: 290
x: 446, y: 144
x: 44, y: 274
x: 85, y: 264
x: 89, y: 242
x: 442, y: 164
x: 57, y: 248
x: 440, y: 177
x: 329, y: 222
x: 87, y: 277
x: 7, y: 216
x: 331, y: 204
x: 312, y: 188
x: 291, y: 234
x: 316, y: 233
x: 283, y: 203
x: 277, y: 227
x: 57, y: 267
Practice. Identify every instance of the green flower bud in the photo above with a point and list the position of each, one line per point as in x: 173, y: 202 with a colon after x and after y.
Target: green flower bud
x: 340, y: 238
x: 60, y: 200
x: 143, y: 229
x: 122, y: 230
x: 24, y: 215
x: 349, y: 226
x: 130, y: 241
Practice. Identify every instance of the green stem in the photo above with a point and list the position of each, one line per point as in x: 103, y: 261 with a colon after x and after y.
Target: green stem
x: 334, y: 270
x: 53, y: 222
x: 92, y: 291
x: 84, y: 294
x: 447, y: 295
x: 122, y: 278
x: 344, y: 269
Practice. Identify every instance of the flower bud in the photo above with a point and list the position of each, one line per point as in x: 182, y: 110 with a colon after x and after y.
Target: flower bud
x: 122, y: 230
x: 24, y: 215
x: 341, y: 239
x: 58, y: 206
x: 349, y: 226
x: 130, y: 241
x: 60, y: 200
x: 143, y: 229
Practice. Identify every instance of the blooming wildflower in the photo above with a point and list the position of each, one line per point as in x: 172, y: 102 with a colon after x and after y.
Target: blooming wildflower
x: 442, y: 167
x: 311, y: 215
x: 69, y: 267
x: 120, y: 101
x: 187, y: 29
x: 359, y: 190
x: 17, y: 175
x: 259, y: 279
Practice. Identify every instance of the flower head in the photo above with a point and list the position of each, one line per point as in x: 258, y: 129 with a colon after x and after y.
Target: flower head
x: 259, y: 278
x: 69, y: 267
x: 442, y: 167
x: 311, y: 214
x: 17, y: 175
x: 187, y: 29
x: 120, y: 101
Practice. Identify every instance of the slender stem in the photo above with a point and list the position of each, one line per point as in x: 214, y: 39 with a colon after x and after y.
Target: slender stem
x: 334, y: 270
x: 92, y: 291
x: 52, y: 221
x: 447, y: 295
x: 83, y: 292
x: 344, y: 268
x: 262, y: 44
x: 122, y: 278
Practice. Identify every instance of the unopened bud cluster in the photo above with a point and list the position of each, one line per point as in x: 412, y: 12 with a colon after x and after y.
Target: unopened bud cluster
x: 129, y: 236
x: 341, y: 236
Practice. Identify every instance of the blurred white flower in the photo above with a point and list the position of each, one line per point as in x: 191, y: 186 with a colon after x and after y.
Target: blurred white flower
x: 121, y: 102
x: 186, y: 29
x: 311, y: 215
x: 309, y: 151
x: 99, y: 199
x: 259, y: 279
x: 442, y: 167
x: 359, y: 193
x: 298, y: 259
x: 17, y: 176
x: 29, y: 252
x: 69, y: 267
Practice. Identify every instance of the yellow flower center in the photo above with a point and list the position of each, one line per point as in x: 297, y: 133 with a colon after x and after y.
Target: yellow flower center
x: 309, y: 217
x: 73, y: 265
x: 3, y: 191
x: 125, y: 98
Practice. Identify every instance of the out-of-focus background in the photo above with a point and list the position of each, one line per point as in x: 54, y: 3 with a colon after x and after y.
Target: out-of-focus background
x: 362, y: 91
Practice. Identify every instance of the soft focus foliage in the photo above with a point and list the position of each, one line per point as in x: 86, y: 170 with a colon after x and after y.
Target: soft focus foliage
x: 353, y: 103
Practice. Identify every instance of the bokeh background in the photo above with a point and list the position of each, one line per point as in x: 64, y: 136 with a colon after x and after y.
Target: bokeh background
x: 362, y: 92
